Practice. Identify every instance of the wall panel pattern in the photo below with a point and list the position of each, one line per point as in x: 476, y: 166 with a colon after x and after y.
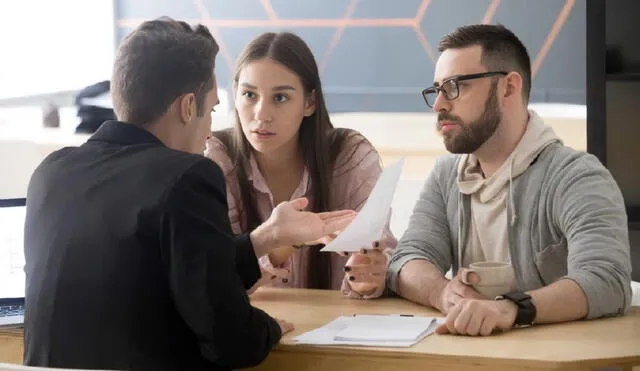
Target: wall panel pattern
x: 377, y: 55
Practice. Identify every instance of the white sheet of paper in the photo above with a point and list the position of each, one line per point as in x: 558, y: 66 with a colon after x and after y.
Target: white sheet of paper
x: 368, y: 225
x: 364, y: 331
x: 385, y: 328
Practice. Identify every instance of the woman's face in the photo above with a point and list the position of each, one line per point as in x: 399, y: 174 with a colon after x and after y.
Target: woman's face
x: 271, y: 103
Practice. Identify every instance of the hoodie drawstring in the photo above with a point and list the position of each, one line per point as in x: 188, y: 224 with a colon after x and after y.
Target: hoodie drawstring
x: 460, y: 209
x: 514, y: 217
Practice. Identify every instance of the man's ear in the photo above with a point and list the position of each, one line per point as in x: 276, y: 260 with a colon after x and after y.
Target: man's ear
x: 310, y: 104
x: 514, y: 84
x: 187, y: 107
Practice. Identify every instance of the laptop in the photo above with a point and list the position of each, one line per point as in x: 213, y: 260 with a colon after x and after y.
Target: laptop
x: 12, y: 276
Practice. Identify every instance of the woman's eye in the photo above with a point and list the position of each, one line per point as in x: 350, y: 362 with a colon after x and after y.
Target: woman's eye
x: 280, y: 98
x: 249, y: 94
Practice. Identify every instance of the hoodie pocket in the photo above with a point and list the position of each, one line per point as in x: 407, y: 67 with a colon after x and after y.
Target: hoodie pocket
x: 552, y: 261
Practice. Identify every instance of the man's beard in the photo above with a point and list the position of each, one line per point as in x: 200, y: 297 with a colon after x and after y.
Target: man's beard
x: 471, y: 137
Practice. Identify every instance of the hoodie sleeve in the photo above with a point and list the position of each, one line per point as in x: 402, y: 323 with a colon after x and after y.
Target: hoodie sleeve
x: 591, y: 213
x: 427, y: 236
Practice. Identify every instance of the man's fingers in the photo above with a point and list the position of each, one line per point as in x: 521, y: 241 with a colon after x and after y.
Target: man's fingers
x: 442, y: 329
x: 486, y: 328
x: 464, y: 291
x: 336, y: 214
x: 468, y: 277
x: 337, y: 224
x: 475, y: 323
x: 448, y: 327
x: 285, y: 326
x: 462, y: 321
x: 299, y: 203
x: 453, y: 299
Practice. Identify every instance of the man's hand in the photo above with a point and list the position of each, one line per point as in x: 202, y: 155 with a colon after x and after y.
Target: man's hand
x: 479, y: 317
x: 285, y: 326
x: 455, y: 291
x: 366, y: 271
x: 288, y: 225
x: 292, y: 226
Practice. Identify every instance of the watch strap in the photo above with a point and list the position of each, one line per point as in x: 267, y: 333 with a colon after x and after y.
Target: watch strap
x: 526, y: 313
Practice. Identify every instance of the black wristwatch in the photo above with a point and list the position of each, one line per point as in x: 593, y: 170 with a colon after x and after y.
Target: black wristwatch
x: 526, y: 309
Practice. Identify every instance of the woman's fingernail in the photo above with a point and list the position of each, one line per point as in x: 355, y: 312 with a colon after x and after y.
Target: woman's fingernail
x: 347, y: 269
x: 352, y: 278
x: 273, y: 277
x: 376, y: 244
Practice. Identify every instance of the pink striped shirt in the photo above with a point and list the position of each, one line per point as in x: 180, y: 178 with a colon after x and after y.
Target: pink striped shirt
x: 356, y: 172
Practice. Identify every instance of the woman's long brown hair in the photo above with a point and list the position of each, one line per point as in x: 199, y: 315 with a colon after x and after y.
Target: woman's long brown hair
x: 320, y: 142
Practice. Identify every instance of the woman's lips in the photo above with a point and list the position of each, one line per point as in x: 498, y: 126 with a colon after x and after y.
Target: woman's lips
x: 262, y: 134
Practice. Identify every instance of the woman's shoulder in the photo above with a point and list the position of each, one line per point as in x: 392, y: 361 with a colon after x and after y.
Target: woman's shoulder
x: 354, y: 151
x: 218, y: 150
x: 356, y: 170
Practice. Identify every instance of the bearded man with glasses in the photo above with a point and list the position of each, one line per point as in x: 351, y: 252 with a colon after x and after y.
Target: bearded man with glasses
x: 510, y: 193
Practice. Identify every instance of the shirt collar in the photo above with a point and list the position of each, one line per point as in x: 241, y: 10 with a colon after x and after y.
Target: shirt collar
x: 123, y: 133
x: 254, y: 175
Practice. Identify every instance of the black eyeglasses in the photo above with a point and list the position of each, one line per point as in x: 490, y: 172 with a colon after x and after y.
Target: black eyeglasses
x: 450, y: 89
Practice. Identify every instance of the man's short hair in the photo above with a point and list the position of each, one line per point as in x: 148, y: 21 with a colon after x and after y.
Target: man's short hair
x: 501, y: 49
x: 158, y: 62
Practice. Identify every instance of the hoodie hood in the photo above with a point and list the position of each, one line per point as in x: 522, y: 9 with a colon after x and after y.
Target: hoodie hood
x: 536, y: 138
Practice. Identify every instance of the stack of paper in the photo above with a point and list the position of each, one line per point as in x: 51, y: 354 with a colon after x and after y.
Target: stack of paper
x: 372, y: 330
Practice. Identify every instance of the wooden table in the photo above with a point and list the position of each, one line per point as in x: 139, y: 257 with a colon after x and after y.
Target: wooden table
x: 11, y: 346
x: 584, y: 345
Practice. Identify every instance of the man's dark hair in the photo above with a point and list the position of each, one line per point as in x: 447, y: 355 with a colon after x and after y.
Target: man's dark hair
x: 501, y: 50
x: 159, y: 61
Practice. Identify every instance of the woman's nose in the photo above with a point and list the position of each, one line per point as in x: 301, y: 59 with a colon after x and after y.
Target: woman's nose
x: 262, y: 111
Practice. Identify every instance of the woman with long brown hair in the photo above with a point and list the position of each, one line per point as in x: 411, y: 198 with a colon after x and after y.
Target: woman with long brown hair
x: 283, y: 146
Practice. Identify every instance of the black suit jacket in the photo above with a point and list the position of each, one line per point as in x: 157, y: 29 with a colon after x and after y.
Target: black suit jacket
x: 131, y: 262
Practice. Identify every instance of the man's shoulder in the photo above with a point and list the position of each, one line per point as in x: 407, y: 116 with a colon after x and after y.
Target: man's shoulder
x: 446, y: 166
x: 186, y: 167
x: 155, y: 164
x: 563, y: 161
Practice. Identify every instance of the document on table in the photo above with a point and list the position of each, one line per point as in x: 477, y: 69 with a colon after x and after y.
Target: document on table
x: 372, y: 330
x: 368, y: 225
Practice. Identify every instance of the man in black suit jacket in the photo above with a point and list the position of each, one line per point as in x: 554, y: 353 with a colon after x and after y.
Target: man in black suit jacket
x: 130, y: 258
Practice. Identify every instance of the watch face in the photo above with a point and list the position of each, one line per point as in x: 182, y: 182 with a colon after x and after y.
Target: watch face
x: 526, y: 309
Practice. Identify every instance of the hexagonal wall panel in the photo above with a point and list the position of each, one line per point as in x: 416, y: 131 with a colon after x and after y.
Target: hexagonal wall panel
x: 236, y: 9
x: 382, y: 9
x: 374, y: 53
x: 313, y: 9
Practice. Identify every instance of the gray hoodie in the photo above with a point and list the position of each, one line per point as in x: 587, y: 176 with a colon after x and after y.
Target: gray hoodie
x: 488, y: 237
x: 566, y: 219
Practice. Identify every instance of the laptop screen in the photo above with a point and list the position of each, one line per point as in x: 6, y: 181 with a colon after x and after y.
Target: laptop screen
x: 12, y: 276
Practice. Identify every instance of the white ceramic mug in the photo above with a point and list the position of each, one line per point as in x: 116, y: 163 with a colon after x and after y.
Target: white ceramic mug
x: 495, y: 278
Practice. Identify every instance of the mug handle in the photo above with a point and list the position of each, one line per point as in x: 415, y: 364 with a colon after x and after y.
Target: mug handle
x: 465, y: 275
